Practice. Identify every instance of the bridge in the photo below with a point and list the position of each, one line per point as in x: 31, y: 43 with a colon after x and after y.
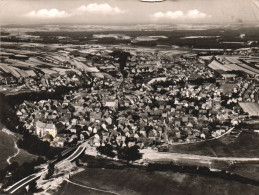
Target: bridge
x: 18, y: 185
x: 76, y: 154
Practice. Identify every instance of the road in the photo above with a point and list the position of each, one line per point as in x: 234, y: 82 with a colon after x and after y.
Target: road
x: 77, y: 153
x: 22, y: 183
x: 150, y: 155
x: 35, y: 176
x: 90, y: 188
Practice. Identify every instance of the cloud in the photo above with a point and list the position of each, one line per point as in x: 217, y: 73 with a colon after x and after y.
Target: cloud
x: 45, y: 14
x: 179, y: 15
x: 93, y: 8
x: 104, y: 9
x: 168, y: 15
x: 196, y: 14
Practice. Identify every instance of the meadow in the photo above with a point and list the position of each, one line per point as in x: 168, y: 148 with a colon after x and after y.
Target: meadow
x: 6, y: 147
x: 141, y: 181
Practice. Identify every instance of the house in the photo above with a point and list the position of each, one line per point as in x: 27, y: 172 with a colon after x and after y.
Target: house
x: 131, y: 143
x: 40, y: 128
x: 74, y: 121
x: 96, y: 140
x: 189, y: 125
x: 61, y: 139
x: 143, y: 132
x: 162, y: 107
x: 185, y: 119
x: 44, y: 128
x: 152, y: 135
x: 95, y: 116
x: 168, y: 107
x: 51, y: 129
x: 177, y: 123
x: 105, y: 135
x: 178, y: 134
x: 112, y: 104
x: 19, y: 113
x: 73, y: 129
x: 164, y: 115
x: 47, y: 137
x: 178, y: 107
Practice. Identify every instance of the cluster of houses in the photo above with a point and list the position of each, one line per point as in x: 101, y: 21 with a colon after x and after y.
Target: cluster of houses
x: 158, y: 102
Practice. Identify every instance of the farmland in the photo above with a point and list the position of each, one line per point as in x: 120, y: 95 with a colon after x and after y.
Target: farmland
x: 125, y: 180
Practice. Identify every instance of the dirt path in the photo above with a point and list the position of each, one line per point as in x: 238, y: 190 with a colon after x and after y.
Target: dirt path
x: 14, y: 137
x: 89, y: 188
x: 17, y: 152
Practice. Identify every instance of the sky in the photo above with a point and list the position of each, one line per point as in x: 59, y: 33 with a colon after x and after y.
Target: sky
x: 128, y: 11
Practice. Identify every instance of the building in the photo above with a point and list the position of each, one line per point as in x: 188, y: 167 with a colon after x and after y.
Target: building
x: 44, y: 128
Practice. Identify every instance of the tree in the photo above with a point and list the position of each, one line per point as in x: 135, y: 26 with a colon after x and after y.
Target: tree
x: 51, y: 168
x: 129, y: 154
x: 106, y: 150
x: 32, y: 186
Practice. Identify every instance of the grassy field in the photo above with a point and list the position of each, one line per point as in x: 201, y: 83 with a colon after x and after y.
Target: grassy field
x: 24, y: 156
x: 139, y: 181
x: 227, y: 87
x: 6, y: 147
x: 120, y: 178
x: 248, y: 170
x: 68, y: 189
x: 246, y: 145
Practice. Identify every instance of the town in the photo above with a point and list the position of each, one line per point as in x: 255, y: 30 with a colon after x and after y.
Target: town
x: 150, y: 98
x: 139, y: 97
x: 125, y: 97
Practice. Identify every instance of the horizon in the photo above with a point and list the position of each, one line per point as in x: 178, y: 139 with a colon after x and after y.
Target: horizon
x: 125, y: 27
x: 130, y: 12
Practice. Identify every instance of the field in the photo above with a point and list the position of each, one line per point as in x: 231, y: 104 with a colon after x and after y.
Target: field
x: 251, y: 108
x: 120, y: 179
x: 6, y: 147
x: 248, y: 170
x: 227, y: 87
x: 23, y: 156
x: 174, y: 37
x: 139, y: 181
x: 246, y: 145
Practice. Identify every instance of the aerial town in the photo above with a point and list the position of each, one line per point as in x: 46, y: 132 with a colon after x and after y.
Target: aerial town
x: 156, y: 99
x: 116, y: 97
x: 129, y: 97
